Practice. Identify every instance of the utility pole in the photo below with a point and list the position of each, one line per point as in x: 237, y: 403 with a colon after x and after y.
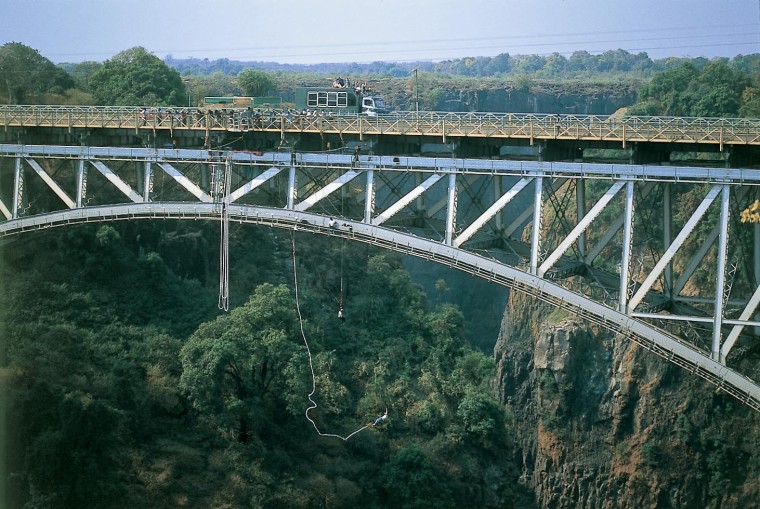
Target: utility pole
x: 416, y: 93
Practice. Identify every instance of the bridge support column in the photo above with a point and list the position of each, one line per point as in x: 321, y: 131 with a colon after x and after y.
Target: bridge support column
x: 625, y: 262
x: 667, y: 237
x: 148, y: 181
x: 535, y: 241
x: 292, y: 187
x: 580, y: 204
x: 81, y: 182
x: 721, y: 276
x: 498, y: 181
x: 18, y: 188
x: 451, y: 210
x: 369, y: 197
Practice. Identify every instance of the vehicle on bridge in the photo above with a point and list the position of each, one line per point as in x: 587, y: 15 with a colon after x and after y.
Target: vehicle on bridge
x: 339, y: 101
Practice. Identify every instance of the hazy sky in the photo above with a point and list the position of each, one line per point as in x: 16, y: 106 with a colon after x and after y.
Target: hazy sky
x: 313, y: 31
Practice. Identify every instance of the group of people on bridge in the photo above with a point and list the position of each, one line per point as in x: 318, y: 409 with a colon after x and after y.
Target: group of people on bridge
x: 359, y: 88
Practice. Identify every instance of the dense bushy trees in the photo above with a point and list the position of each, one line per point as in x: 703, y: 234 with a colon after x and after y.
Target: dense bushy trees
x: 256, y: 83
x: 125, y: 388
x: 715, y: 90
x: 25, y: 73
x: 135, y: 77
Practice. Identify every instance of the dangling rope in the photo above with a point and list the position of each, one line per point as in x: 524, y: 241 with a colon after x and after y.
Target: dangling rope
x: 308, y: 351
x: 224, y: 242
x: 340, y: 297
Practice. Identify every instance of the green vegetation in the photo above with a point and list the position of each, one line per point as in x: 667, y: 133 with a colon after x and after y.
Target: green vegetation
x: 127, y: 388
x: 255, y: 83
x: 509, y: 83
x: 716, y: 90
x: 137, y: 78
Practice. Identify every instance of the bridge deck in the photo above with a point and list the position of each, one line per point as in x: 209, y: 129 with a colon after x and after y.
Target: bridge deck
x: 623, y: 130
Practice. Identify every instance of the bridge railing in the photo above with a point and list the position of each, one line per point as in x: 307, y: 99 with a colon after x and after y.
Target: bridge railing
x: 504, y: 125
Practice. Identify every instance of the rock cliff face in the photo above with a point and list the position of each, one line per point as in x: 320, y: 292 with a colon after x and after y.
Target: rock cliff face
x: 602, y: 423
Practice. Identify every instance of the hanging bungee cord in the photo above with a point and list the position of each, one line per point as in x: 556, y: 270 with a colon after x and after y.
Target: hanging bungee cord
x: 313, y: 404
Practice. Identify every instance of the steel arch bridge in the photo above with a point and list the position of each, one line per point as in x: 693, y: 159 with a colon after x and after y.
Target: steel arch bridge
x: 641, y: 250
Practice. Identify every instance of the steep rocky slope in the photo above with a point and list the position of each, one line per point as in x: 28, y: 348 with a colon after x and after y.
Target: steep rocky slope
x: 602, y: 423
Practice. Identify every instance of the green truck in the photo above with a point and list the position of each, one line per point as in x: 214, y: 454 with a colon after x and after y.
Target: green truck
x: 338, y: 101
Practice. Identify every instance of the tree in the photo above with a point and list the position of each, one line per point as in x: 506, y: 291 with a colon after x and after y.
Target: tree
x: 23, y: 72
x: 135, y: 77
x: 242, y: 368
x: 412, y: 481
x: 82, y: 72
x: 255, y: 83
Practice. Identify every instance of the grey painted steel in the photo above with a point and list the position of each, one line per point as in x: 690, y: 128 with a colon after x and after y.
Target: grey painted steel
x: 651, y: 338
x: 18, y: 186
x: 254, y: 183
x: 479, y: 180
x: 667, y: 223
x: 584, y: 223
x: 52, y: 184
x: 369, y: 196
x: 625, y: 262
x: 116, y: 181
x: 674, y: 246
x: 720, y: 285
x: 538, y: 207
x: 327, y: 190
x: 494, y: 209
x: 404, y: 201
x: 292, y: 190
x: 580, y: 212
x: 185, y: 182
x: 730, y: 340
x: 685, y: 174
x: 451, y: 210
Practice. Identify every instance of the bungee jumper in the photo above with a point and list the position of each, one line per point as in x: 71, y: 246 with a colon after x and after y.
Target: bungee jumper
x: 380, y: 419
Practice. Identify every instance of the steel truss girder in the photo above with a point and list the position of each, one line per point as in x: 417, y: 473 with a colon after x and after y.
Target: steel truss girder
x: 534, y: 206
x: 659, y: 342
x: 673, y: 248
x: 583, y: 224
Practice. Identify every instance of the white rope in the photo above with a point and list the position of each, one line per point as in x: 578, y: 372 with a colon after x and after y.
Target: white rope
x: 311, y: 363
x: 224, y: 242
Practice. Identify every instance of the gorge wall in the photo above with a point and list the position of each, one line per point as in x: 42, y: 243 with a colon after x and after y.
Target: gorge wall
x: 602, y: 423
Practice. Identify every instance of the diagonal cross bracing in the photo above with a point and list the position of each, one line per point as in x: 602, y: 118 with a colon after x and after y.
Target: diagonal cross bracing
x: 406, y: 200
x: 185, y: 182
x: 52, y: 184
x: 492, y: 211
x: 116, y: 181
x: 580, y: 227
x: 674, y: 246
x: 254, y: 183
x: 616, y: 225
x: 6, y: 212
x: 737, y: 330
x: 327, y: 190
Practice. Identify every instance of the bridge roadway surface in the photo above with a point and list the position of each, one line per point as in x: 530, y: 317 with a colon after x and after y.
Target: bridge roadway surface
x: 374, y: 230
x: 718, y: 132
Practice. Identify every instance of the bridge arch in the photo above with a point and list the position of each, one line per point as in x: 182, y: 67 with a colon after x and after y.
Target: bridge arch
x: 644, y: 334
